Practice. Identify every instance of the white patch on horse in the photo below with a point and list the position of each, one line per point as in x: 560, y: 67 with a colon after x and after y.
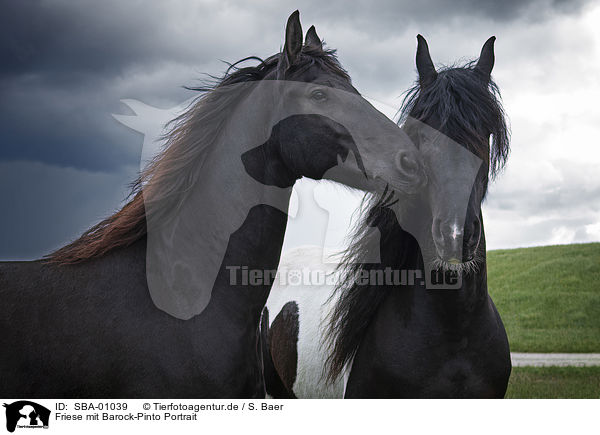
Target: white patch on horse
x: 456, y: 231
x: 313, y: 308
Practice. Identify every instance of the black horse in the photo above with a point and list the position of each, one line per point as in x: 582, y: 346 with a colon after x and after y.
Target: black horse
x: 433, y: 343
x: 414, y: 339
x: 114, y: 314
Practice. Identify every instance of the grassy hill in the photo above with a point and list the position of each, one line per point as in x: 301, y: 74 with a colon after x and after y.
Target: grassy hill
x: 554, y: 383
x: 548, y: 297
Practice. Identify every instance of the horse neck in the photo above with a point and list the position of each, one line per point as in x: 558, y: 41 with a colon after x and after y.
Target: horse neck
x: 227, y: 220
x: 456, y: 308
x: 254, y: 246
x: 454, y: 303
x: 254, y: 249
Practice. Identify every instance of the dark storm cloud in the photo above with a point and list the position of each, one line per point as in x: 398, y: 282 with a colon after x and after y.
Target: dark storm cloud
x: 45, y: 206
x: 59, y: 64
x: 66, y: 39
x: 382, y: 15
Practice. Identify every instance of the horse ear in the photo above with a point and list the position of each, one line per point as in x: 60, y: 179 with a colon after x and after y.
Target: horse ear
x: 293, y: 44
x: 312, y: 39
x: 427, y: 72
x: 486, y: 59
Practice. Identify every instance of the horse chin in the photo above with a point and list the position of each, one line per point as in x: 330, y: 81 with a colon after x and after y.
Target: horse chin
x: 470, y: 266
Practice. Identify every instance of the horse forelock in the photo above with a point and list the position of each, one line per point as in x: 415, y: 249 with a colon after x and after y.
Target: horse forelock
x: 465, y: 104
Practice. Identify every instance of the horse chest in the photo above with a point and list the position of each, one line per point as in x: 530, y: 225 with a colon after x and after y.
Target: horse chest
x: 459, y: 377
x: 426, y: 358
x: 427, y: 372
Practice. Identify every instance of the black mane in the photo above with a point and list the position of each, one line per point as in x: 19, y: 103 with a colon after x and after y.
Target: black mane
x: 357, y: 303
x: 464, y: 105
x: 324, y: 58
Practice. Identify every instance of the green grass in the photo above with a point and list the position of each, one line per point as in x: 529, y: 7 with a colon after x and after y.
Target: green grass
x: 548, y: 297
x: 554, y: 383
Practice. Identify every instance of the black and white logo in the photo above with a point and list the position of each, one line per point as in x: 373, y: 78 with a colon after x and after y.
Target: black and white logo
x: 26, y: 415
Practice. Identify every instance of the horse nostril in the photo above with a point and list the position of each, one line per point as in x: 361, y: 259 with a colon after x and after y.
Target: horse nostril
x: 474, y: 233
x: 436, y: 231
x: 407, y: 163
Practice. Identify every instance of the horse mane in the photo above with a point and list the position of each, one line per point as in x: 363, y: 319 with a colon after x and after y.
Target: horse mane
x: 464, y: 105
x: 173, y: 172
x: 357, y: 303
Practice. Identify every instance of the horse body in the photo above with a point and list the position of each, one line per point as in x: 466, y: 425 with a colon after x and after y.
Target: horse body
x: 91, y: 329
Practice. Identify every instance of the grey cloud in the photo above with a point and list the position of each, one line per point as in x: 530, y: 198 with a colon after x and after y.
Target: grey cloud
x: 100, y: 38
x: 383, y: 16
x: 521, y: 233
x: 558, y: 212
x: 45, y: 207
x: 61, y: 60
x: 72, y: 126
x: 65, y: 66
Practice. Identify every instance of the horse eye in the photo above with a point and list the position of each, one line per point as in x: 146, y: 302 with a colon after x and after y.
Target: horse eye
x: 318, y: 95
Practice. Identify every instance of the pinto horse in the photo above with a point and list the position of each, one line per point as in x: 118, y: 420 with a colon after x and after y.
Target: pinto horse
x: 408, y: 339
x: 147, y: 303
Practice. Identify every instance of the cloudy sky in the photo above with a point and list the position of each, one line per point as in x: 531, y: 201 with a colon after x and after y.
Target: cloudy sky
x: 66, y: 65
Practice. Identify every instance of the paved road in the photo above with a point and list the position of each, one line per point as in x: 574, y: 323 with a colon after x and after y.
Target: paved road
x: 555, y: 359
